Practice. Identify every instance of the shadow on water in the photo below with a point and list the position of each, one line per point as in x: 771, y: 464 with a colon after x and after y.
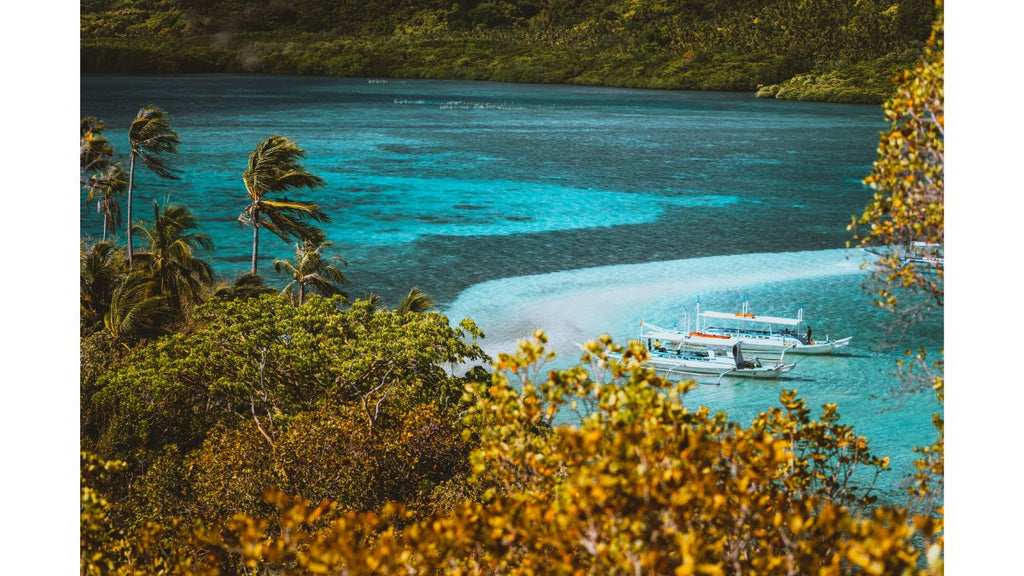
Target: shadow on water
x: 848, y: 355
x: 789, y: 379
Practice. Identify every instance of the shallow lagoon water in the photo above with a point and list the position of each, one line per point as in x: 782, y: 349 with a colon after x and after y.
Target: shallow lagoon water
x: 578, y: 210
x: 448, y: 184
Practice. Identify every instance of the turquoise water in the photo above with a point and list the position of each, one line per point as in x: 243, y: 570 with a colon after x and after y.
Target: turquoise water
x: 579, y: 210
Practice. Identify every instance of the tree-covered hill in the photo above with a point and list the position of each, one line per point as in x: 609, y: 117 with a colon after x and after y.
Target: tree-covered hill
x: 833, y: 50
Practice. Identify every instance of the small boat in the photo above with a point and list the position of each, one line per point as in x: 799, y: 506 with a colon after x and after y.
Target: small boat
x: 925, y: 257
x: 680, y: 361
x: 766, y: 334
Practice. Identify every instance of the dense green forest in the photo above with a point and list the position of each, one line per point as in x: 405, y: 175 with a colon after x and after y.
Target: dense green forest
x: 229, y: 428
x: 829, y: 50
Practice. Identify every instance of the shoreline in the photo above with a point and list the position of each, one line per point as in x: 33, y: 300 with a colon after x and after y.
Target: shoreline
x: 761, y: 75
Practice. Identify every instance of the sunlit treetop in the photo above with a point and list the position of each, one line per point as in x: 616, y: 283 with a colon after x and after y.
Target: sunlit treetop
x: 908, y: 203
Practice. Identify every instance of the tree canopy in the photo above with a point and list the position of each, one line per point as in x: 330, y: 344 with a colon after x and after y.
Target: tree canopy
x: 644, y: 483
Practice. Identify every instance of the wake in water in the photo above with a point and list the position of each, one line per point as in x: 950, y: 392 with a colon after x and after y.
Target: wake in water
x: 458, y: 104
x: 578, y: 305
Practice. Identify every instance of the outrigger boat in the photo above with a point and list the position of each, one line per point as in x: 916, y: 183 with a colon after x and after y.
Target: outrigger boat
x: 681, y: 361
x: 926, y: 257
x: 757, y: 333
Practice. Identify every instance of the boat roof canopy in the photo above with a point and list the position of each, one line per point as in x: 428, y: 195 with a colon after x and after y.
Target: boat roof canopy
x: 652, y: 331
x: 740, y: 317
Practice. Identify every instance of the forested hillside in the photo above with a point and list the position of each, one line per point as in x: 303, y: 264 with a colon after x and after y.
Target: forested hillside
x: 832, y: 50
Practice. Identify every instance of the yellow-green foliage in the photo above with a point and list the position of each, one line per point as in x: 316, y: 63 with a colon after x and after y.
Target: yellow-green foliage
x: 858, y: 83
x: 645, y: 484
x: 908, y: 204
x: 355, y: 403
x: 97, y: 552
x: 263, y: 361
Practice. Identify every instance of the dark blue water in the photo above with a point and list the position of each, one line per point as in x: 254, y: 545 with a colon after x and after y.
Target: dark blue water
x: 575, y: 209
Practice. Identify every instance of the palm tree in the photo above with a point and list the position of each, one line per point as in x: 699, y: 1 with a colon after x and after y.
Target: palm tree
x: 97, y: 166
x: 313, y: 271
x: 415, y: 301
x: 96, y: 150
x: 100, y: 273
x: 179, y: 276
x: 135, y: 312
x: 108, y: 183
x: 150, y: 136
x: 274, y: 167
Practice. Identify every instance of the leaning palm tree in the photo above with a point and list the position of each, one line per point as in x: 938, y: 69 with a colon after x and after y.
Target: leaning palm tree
x: 415, y: 301
x: 96, y: 165
x: 108, y: 184
x: 274, y: 167
x: 180, y: 277
x: 150, y: 137
x: 312, y: 271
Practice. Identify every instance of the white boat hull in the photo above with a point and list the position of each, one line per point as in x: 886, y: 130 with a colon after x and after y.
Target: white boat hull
x: 755, y: 333
x: 672, y: 366
x: 770, y: 344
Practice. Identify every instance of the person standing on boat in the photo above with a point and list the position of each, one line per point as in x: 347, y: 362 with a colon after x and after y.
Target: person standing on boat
x: 741, y: 363
x: 809, y: 334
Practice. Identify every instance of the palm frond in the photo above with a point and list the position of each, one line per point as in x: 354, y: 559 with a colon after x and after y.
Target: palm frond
x: 294, y: 179
x: 281, y: 265
x: 92, y: 124
x: 151, y: 137
x: 110, y: 181
x: 111, y: 211
x: 135, y: 311
x: 303, y: 209
x: 171, y: 256
x: 311, y: 271
x: 247, y: 285
x: 101, y: 269
x: 96, y: 152
x: 288, y: 224
x: 374, y: 300
x: 275, y: 166
x: 415, y: 301
x: 323, y: 286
